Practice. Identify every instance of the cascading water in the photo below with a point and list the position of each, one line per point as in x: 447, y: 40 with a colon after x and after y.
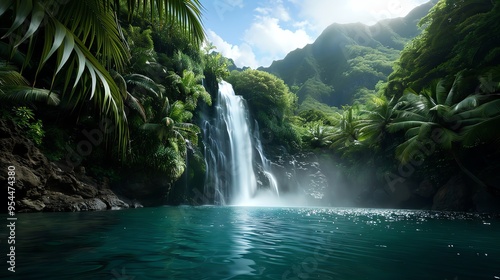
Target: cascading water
x: 229, y: 149
x: 273, y: 183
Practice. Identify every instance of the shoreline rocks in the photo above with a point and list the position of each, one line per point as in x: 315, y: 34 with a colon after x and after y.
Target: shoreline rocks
x: 44, y: 186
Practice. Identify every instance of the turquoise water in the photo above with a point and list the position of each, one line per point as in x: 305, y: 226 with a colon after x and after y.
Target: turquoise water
x: 256, y: 243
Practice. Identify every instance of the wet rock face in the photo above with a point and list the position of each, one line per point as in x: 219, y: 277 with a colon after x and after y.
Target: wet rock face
x: 44, y: 186
x: 300, y: 173
x: 148, y: 189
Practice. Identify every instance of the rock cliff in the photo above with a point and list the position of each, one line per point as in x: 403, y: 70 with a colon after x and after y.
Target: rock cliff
x: 46, y: 186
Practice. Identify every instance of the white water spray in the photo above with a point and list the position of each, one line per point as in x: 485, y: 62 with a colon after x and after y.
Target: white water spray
x: 229, y: 153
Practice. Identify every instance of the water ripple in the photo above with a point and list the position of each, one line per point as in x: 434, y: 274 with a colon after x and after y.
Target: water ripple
x: 258, y: 243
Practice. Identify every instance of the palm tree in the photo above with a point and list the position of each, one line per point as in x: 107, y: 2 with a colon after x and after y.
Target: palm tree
x: 189, y: 85
x: 346, y: 133
x: 174, y: 135
x: 318, y: 134
x: 135, y: 86
x: 173, y: 127
x: 83, y: 41
x: 374, y: 121
x: 486, y: 116
x: 445, y: 116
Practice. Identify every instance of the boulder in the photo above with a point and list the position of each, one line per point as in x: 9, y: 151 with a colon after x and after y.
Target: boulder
x: 453, y: 196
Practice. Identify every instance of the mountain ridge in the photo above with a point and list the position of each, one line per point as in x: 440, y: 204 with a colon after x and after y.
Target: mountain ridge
x: 347, y: 58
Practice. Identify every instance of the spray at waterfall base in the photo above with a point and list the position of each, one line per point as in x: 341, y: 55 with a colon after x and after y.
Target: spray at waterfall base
x: 237, y: 169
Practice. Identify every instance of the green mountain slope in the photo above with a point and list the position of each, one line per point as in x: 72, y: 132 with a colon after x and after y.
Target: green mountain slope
x: 347, y: 57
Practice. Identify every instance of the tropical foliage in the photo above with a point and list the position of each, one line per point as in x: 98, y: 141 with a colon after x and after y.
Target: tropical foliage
x: 373, y: 100
x: 79, y: 42
x: 270, y: 102
x: 75, y: 62
x: 456, y: 36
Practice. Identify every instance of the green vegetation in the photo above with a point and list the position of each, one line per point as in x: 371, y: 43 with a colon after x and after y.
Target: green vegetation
x: 126, y: 77
x: 105, y: 73
x: 79, y: 42
x: 347, y: 61
x: 457, y: 36
x: 270, y: 102
x: 434, y: 118
x: 24, y: 118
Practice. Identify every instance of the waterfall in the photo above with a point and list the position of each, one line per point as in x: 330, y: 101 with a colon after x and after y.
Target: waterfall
x: 266, y: 166
x: 229, y: 152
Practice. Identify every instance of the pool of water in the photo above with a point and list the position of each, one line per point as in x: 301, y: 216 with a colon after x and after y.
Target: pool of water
x: 256, y: 243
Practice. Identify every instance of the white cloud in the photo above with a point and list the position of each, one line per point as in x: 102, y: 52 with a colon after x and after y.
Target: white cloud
x: 281, y: 26
x: 242, y: 55
x: 322, y: 13
x: 268, y: 37
x: 302, y: 24
x: 274, y: 9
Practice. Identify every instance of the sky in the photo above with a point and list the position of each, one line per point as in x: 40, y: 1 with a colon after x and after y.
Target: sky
x: 254, y: 33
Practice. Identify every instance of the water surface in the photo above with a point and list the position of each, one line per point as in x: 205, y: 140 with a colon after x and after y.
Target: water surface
x: 256, y: 243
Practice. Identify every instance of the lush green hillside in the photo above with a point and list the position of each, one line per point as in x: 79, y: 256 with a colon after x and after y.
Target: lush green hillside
x: 429, y: 135
x: 347, y: 58
x: 456, y: 37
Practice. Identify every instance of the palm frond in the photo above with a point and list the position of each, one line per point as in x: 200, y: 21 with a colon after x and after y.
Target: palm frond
x: 14, y: 87
x: 441, y: 92
x: 185, y: 13
x: 483, y: 131
x: 96, y: 27
x: 407, y: 149
x: 145, y: 83
x: 73, y: 53
x: 26, y: 94
x: 402, y: 124
x: 136, y: 105
x: 468, y: 103
x: 9, y: 76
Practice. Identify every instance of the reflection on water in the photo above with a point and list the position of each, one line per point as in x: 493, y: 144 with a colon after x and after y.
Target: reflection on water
x: 256, y: 243
x: 240, y: 262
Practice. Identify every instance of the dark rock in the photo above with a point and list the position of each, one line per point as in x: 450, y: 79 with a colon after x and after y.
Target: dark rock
x: 426, y: 189
x: 453, y: 196
x: 485, y: 202
x: 299, y: 173
x: 27, y: 177
x: 148, y: 189
x: 93, y: 204
x: 45, y: 186
x: 111, y: 200
x: 401, y: 192
x: 36, y: 205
